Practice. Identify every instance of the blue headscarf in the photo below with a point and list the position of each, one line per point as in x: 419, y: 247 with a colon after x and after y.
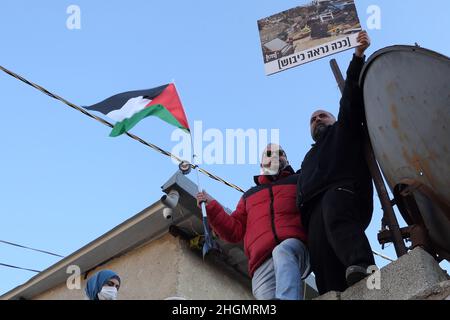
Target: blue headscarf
x: 97, y: 281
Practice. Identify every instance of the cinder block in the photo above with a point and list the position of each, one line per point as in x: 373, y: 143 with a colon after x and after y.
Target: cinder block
x: 441, y: 291
x: 403, y: 279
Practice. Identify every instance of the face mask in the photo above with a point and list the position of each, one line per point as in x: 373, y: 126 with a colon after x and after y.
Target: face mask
x: 269, y: 172
x: 277, y: 159
x: 275, y: 168
x: 107, y: 293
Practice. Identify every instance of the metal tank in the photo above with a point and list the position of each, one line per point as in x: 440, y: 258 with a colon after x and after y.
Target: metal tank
x: 407, y: 103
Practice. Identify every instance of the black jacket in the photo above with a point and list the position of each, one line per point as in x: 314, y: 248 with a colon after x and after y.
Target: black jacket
x: 337, y: 158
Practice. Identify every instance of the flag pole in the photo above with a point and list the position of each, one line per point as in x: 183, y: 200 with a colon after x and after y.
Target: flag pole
x: 209, y: 243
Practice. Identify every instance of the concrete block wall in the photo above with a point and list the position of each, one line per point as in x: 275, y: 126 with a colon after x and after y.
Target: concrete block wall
x: 416, y: 275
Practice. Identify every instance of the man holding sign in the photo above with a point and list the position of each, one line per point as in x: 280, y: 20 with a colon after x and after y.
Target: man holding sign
x: 334, y: 192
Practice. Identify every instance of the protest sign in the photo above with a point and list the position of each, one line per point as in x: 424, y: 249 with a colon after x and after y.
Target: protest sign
x: 307, y: 33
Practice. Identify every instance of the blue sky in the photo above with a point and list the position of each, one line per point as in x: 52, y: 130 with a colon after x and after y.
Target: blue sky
x: 64, y: 182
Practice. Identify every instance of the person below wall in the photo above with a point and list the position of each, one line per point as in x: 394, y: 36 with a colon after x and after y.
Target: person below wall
x: 104, y: 285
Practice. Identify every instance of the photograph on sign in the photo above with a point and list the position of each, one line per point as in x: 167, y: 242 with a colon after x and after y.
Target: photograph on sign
x: 307, y: 33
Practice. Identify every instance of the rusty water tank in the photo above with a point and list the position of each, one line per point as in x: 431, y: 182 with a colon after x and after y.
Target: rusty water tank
x: 407, y: 103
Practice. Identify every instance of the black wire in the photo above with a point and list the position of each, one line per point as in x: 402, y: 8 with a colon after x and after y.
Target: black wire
x: 154, y: 147
x: 20, y: 268
x: 25, y: 247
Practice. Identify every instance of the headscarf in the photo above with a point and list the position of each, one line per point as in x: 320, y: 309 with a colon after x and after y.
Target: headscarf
x: 97, y: 281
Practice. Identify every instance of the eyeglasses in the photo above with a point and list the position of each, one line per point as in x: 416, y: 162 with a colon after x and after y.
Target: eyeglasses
x: 280, y: 153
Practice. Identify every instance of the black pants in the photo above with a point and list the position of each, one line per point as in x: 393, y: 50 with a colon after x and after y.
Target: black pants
x: 336, y: 238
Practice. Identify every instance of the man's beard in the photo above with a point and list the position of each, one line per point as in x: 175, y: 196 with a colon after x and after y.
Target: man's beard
x: 318, y: 131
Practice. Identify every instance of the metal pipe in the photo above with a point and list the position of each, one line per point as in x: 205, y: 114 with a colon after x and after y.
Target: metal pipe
x: 337, y: 74
x: 388, y: 211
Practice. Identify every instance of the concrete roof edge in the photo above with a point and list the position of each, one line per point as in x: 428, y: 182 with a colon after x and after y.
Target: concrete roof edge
x: 176, y: 181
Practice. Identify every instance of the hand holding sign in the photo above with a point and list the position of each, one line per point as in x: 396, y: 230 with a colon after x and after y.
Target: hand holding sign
x: 364, y: 40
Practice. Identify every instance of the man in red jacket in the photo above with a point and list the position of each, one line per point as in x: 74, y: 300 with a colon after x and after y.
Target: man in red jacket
x: 268, y: 221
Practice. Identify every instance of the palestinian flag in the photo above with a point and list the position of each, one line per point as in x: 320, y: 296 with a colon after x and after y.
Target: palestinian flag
x: 128, y: 108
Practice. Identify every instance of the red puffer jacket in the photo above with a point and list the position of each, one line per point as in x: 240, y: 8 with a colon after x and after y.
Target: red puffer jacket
x: 265, y: 216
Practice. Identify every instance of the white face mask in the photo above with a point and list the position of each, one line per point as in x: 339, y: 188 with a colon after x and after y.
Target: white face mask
x: 269, y: 171
x: 277, y: 159
x: 107, y: 293
x: 277, y: 164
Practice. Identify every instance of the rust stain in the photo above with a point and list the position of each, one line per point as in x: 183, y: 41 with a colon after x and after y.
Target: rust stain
x: 392, y: 87
x: 422, y: 166
x: 426, y: 165
x: 411, y: 160
x: 395, y: 124
x: 432, y: 155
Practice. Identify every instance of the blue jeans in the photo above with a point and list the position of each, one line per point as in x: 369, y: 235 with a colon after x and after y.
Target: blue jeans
x: 280, y: 277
